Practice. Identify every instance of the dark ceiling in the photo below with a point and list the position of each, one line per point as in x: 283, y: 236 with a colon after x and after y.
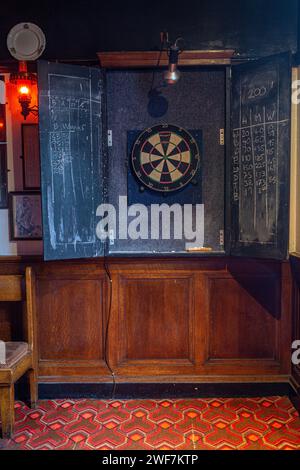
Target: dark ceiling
x: 78, y: 29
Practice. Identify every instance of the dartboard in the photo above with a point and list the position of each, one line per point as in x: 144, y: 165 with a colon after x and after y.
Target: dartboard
x: 165, y: 158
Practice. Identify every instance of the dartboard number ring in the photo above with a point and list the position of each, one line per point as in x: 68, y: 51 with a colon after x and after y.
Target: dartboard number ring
x: 165, y: 158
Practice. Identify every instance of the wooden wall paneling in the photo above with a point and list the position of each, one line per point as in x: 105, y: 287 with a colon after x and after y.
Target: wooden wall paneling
x: 243, y: 333
x: 138, y: 59
x: 165, y: 291
x: 295, y: 265
x: 294, y: 225
x: 17, y: 264
x: 124, y: 270
x: 272, y: 290
x: 12, y: 285
x: 235, y: 332
x: 247, y: 331
x: 296, y: 329
x: 72, y: 303
x: 196, y: 319
x: 158, y: 317
x: 153, y: 323
x: 146, y: 264
x: 285, y: 330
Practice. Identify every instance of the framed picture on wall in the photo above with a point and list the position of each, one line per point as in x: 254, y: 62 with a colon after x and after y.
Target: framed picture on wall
x: 31, y: 156
x: 25, y: 215
x: 3, y: 177
x: 3, y: 152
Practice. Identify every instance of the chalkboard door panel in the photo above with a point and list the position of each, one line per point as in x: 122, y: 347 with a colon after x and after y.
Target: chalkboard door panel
x: 71, y: 144
x: 260, y: 154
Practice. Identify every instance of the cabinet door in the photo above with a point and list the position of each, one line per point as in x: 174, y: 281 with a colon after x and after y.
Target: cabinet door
x: 3, y: 156
x: 260, y: 158
x: 71, y: 102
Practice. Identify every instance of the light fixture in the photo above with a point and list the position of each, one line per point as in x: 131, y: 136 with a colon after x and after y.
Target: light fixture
x: 25, y: 42
x: 24, y: 81
x: 172, y: 75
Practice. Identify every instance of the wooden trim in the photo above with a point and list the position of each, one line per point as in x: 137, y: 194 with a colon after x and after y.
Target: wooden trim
x: 294, y: 241
x: 285, y: 334
x: 31, y: 312
x: 137, y: 59
x: 11, y: 375
x: 64, y: 371
x: 20, y: 258
x: 204, y: 379
x: 295, y: 378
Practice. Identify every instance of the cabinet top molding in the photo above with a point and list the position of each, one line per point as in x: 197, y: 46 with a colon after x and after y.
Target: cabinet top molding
x: 127, y: 59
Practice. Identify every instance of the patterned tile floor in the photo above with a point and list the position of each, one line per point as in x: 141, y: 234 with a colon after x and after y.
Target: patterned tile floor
x: 223, y: 423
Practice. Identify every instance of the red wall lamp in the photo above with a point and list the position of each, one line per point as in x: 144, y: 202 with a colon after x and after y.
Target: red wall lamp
x: 24, y: 81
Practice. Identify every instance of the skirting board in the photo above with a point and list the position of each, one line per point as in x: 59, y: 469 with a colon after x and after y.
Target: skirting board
x: 157, y: 390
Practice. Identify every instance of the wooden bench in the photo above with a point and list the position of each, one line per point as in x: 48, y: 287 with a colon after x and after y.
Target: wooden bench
x: 18, y: 357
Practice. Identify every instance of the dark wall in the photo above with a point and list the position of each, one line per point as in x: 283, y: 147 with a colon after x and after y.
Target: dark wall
x: 127, y: 106
x: 79, y: 29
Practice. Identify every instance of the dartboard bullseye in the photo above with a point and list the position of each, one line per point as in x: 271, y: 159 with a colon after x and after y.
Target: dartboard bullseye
x: 165, y: 158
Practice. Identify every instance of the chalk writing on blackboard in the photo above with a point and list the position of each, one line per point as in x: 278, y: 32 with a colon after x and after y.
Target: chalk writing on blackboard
x: 71, y: 138
x: 255, y: 156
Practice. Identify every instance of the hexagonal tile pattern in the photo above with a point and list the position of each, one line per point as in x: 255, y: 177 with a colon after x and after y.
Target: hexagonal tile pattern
x: 184, y: 424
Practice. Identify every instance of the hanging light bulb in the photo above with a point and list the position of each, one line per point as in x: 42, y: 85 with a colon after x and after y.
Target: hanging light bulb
x: 172, y: 75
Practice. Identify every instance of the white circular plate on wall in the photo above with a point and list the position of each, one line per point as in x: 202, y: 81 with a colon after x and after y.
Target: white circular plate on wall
x: 26, y: 41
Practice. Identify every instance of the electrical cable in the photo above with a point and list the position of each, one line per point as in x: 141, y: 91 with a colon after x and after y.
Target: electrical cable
x: 162, y: 43
x: 106, y: 359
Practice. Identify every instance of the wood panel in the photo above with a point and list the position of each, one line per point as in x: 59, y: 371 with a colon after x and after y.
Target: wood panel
x: 166, y: 319
x: 171, y: 319
x: 296, y: 330
x: 294, y: 226
x: 137, y: 59
x: 71, y: 320
x: 154, y: 322
x: 68, y: 325
x: 240, y: 327
x: 10, y: 288
x: 295, y: 263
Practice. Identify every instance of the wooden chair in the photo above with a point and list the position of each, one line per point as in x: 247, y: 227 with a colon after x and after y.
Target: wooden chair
x: 20, y: 356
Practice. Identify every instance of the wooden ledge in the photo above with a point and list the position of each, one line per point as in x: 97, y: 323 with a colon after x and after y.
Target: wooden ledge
x: 142, y: 59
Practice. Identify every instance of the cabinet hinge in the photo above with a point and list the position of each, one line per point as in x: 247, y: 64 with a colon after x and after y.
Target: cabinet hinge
x: 222, y: 237
x: 109, y: 138
x: 222, y: 137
